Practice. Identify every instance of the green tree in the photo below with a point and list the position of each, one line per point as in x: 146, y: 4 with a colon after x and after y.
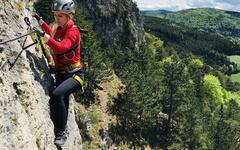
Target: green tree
x: 43, y: 8
x: 92, y: 56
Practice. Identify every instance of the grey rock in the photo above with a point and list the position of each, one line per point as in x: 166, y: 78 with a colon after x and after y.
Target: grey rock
x: 115, y: 20
x: 25, y: 122
x: 1, y: 48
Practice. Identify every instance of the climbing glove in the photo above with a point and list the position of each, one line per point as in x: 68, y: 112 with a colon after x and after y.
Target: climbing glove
x: 39, y: 32
x: 35, y: 15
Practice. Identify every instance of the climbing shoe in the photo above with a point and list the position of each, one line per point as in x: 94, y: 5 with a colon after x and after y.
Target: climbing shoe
x: 60, y: 139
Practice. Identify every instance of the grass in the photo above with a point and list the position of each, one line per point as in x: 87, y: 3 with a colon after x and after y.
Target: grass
x: 91, y: 138
x: 235, y: 77
x: 235, y: 59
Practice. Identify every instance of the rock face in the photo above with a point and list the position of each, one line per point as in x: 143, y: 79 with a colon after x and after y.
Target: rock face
x: 25, y: 122
x: 115, y: 20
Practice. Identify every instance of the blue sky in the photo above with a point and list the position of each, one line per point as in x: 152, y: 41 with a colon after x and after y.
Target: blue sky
x: 174, y: 5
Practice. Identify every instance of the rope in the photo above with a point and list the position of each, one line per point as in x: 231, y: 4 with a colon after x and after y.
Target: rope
x: 17, y: 38
x: 12, y: 64
x: 26, y: 19
x: 19, y: 54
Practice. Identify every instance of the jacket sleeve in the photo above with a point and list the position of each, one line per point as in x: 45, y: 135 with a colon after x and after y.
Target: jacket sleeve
x: 71, y: 38
x: 46, y: 28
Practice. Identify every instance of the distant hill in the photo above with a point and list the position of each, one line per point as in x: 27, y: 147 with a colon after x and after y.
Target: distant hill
x: 212, y: 47
x: 226, y: 23
x: 155, y: 13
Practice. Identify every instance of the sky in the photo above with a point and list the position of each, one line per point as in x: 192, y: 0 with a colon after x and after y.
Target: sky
x: 175, y: 5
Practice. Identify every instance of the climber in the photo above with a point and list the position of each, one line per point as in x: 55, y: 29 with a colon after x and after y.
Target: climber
x: 63, y: 38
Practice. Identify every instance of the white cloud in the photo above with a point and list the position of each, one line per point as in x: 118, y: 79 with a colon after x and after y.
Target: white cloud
x: 161, y: 4
x: 233, y: 5
x: 228, y: 5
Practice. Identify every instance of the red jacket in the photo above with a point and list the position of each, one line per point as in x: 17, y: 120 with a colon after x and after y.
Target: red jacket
x: 63, y: 40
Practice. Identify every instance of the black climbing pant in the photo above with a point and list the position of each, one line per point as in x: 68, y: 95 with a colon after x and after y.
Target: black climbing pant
x: 65, y: 85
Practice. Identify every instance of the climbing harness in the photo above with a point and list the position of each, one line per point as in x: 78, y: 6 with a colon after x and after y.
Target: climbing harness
x: 72, y: 49
x: 69, y: 68
x: 80, y: 80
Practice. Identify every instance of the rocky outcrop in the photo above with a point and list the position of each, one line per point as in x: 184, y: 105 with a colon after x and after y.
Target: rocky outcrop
x: 25, y: 122
x: 115, y: 20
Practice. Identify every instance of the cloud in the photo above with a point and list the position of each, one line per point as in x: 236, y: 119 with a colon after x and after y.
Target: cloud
x: 174, y: 5
x: 200, y: 3
x: 161, y: 4
x: 233, y: 5
x: 230, y: 2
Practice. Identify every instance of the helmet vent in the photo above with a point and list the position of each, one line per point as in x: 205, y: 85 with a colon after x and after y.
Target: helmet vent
x: 64, y: 6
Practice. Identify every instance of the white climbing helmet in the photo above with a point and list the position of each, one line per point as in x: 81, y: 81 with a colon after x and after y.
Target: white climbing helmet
x: 64, y: 6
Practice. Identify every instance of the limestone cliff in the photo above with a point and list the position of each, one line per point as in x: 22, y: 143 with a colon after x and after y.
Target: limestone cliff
x: 25, y: 122
x: 115, y: 20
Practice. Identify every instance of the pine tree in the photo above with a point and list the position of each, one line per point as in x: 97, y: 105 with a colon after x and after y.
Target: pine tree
x: 43, y: 8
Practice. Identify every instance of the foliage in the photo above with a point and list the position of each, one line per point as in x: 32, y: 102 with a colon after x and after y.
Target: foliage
x: 155, y: 13
x: 211, y: 47
x: 170, y: 102
x: 208, y: 19
x: 90, y: 123
x: 43, y: 8
x: 96, y: 65
x: 235, y: 77
x: 213, y: 88
x: 235, y: 59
